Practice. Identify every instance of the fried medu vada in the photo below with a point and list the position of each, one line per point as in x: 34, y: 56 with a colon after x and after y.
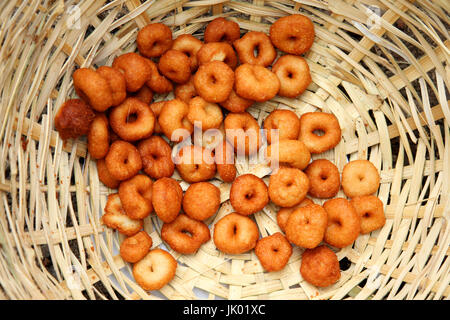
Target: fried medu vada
x: 73, y: 119
x: 255, y: 82
x: 288, y: 186
x: 248, y: 194
x: 206, y: 114
x: 189, y: 45
x: 217, y: 51
x: 214, y: 81
x: 243, y: 132
x: 292, y: 153
x: 136, y: 196
x: 360, y: 178
x: 320, y: 266
x: 154, y: 40
x: 370, y: 208
x: 135, y: 69
x: 195, y: 163
x: 294, y: 75
x: 255, y: 48
x: 173, y: 120
x: 156, y: 155
x: 136, y: 247
x: 285, y: 121
x: 123, y: 160
x: 116, y: 218
x: 273, y: 252
x: 104, y: 176
x: 312, y: 122
x: 201, y: 200
x: 324, y: 179
x: 221, y: 29
x: 155, y: 270
x: 175, y: 65
x: 284, y: 213
x: 166, y: 198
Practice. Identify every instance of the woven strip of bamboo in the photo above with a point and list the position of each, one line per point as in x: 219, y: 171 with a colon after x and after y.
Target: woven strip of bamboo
x: 381, y: 66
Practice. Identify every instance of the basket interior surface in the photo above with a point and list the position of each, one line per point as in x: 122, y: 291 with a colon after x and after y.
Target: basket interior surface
x: 380, y: 66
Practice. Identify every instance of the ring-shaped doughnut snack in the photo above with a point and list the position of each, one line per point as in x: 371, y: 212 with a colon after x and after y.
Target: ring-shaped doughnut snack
x: 235, y: 234
x: 217, y: 51
x: 201, y: 112
x: 185, y: 235
x: 306, y: 226
x: 255, y: 42
x: 186, y: 91
x: 195, y: 163
x: 235, y: 103
x: 156, y: 81
x: 154, y: 39
x: 224, y: 157
x: 248, y: 194
x: 175, y: 65
x: 370, y: 209
x: 116, y: 82
x: 360, y: 178
x: 288, y: 186
x: 221, y: 29
x: 214, y: 81
x: 105, y: 176
x: 273, y: 252
x: 312, y: 122
x: 285, y: 121
x: 293, y: 34
x: 156, y: 155
x: 132, y: 120
x: 254, y: 82
x: 284, y: 213
x: 294, y: 75
x: 344, y: 223
x: 123, y: 160
x: 173, y: 120
x: 243, y: 133
x: 155, y: 270
x: 324, y: 179
x: 136, y: 196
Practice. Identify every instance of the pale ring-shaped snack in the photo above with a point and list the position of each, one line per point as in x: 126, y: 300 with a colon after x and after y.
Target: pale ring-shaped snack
x: 204, y: 113
x: 135, y: 69
x: 243, y: 132
x: 214, y: 81
x: 156, y: 155
x: 217, y: 51
x: 285, y: 121
x: 73, y: 119
x: 136, y: 247
x: 173, y: 120
x: 320, y: 266
x: 175, y: 65
x: 221, y: 29
x: 370, y: 208
x: 293, y: 153
x: 256, y: 82
x: 116, y: 218
x: 306, y: 226
x: 324, y: 179
x: 123, y: 160
x: 284, y: 213
x: 201, y: 200
x: 255, y: 41
x: 235, y: 234
x: 154, y: 39
x: 185, y: 235
x: 312, y: 122
x: 344, y: 223
x: 189, y: 45
x: 248, y: 194
x: 166, y: 199
x: 360, y: 178
x: 293, y: 34
x: 132, y: 120
x: 288, y: 186
x: 195, y: 163
x: 136, y: 196
x: 155, y: 270
x: 273, y: 252
x: 294, y: 75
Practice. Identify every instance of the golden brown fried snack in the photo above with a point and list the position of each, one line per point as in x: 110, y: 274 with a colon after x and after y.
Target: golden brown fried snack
x: 257, y: 83
x: 360, y: 178
x: 285, y: 121
x: 154, y: 39
x: 284, y: 213
x: 324, y: 179
x: 98, y: 137
x: 136, y: 247
x: 370, y: 208
x: 273, y: 252
x: 73, y: 119
x: 293, y: 153
x: 312, y: 122
x: 116, y: 218
x: 123, y: 160
x: 185, y: 235
x: 221, y: 29
x: 248, y: 194
x: 136, y: 196
x: 195, y: 163
x: 135, y: 69
x: 288, y: 186
x: 294, y: 75
x: 320, y: 266
x: 201, y: 200
x: 166, y: 198
x: 104, y: 176
x: 155, y: 270
x: 156, y: 155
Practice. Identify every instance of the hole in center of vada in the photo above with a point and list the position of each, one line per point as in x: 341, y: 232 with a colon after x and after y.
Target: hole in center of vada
x: 318, y: 132
x: 213, y: 79
x: 249, y: 195
x: 186, y: 232
x: 256, y: 50
x: 132, y: 117
x: 366, y: 215
x: 323, y: 177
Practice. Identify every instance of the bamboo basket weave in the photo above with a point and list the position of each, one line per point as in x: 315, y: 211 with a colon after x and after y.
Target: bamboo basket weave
x: 381, y: 66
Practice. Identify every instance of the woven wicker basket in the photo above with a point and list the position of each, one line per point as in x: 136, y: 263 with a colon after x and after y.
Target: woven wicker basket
x: 381, y: 66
